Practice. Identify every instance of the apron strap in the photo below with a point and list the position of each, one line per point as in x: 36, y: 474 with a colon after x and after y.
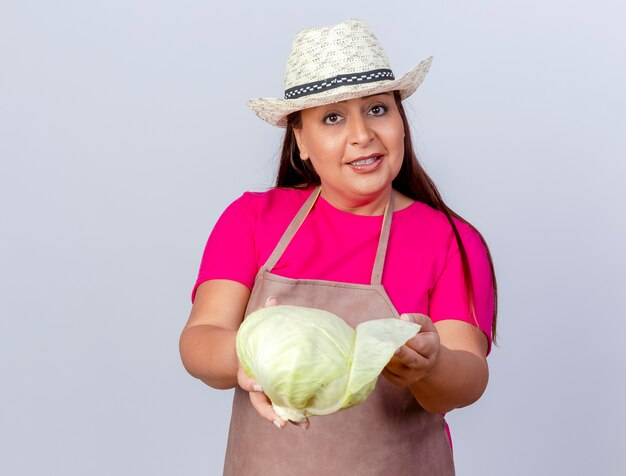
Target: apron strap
x: 294, y: 226
x: 291, y: 231
x: 381, y: 252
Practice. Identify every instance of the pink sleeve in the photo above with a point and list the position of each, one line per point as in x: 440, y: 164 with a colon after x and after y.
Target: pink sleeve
x: 448, y: 299
x: 230, y: 250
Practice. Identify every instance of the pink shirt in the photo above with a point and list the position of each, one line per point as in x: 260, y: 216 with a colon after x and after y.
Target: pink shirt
x: 422, y: 273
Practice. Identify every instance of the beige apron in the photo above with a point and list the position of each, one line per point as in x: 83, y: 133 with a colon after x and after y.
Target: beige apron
x: 389, y: 434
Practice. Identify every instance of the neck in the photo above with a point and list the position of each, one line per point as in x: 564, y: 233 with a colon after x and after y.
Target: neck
x: 359, y: 205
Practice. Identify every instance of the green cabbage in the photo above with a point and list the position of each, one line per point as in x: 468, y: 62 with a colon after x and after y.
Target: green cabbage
x: 310, y: 362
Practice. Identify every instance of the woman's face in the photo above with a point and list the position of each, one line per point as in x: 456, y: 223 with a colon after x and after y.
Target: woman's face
x: 356, y: 147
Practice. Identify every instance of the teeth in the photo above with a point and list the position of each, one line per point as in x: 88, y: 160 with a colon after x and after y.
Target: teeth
x: 371, y: 160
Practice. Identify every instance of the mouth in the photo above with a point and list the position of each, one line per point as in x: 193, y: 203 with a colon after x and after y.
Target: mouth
x: 366, y: 163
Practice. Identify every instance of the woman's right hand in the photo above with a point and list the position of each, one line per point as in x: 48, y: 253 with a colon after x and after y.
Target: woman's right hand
x: 261, y: 402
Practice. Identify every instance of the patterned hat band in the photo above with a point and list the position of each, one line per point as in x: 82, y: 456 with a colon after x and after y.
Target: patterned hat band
x: 337, y: 81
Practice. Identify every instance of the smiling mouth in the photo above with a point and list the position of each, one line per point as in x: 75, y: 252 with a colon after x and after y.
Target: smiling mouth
x: 367, y: 161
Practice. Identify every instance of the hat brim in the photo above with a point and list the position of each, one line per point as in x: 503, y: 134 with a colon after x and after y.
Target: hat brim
x: 275, y: 111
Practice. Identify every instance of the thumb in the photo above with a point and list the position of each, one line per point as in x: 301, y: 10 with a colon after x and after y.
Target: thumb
x: 271, y: 301
x: 420, y: 319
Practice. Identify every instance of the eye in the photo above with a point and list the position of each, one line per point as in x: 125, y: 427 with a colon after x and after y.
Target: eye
x: 332, y: 118
x: 378, y: 110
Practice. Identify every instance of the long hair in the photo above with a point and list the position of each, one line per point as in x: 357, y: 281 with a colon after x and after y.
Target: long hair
x: 412, y: 181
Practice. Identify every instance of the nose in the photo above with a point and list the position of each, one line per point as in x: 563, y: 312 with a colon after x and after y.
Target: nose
x: 359, y: 130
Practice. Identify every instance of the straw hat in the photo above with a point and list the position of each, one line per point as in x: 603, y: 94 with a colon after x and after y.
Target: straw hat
x: 332, y: 64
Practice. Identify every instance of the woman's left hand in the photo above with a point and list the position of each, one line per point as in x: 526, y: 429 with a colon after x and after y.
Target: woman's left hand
x: 415, y: 359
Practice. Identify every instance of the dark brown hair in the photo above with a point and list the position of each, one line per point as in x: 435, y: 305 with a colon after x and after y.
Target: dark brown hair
x: 412, y: 181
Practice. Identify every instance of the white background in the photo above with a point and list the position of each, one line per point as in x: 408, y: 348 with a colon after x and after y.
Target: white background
x: 124, y: 132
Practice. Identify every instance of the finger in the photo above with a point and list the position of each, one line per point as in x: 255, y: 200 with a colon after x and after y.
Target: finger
x: 393, y: 378
x: 246, y: 382
x: 408, y: 358
x: 271, y: 301
x: 425, y: 323
x: 304, y: 424
x: 424, y: 344
x: 263, y: 406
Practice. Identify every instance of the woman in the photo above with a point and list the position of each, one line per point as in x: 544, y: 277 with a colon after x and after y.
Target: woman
x: 356, y: 227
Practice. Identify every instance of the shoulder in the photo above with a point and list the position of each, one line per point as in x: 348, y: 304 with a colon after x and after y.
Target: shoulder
x: 275, y: 197
x: 433, y: 226
x: 272, y: 204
